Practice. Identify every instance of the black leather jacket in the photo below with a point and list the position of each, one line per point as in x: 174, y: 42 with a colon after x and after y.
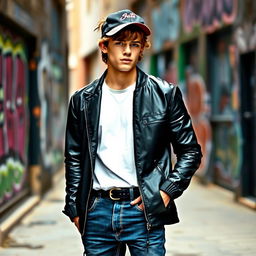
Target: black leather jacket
x: 159, y: 118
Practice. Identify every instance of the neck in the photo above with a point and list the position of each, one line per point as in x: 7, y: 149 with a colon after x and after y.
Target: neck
x: 120, y: 80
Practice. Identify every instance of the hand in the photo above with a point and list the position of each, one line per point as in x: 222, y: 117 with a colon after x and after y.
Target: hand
x: 138, y: 201
x: 76, y: 222
x: 166, y: 198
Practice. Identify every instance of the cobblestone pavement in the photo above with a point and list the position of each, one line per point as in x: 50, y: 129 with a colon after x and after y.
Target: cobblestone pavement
x: 211, y: 225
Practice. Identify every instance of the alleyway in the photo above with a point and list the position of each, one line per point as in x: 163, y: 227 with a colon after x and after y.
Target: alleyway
x: 211, y: 225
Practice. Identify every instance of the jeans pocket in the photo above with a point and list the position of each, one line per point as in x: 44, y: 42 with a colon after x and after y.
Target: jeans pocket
x: 92, y: 203
x: 136, y: 206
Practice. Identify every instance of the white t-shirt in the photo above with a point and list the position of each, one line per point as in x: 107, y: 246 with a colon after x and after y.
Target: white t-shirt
x: 115, y: 165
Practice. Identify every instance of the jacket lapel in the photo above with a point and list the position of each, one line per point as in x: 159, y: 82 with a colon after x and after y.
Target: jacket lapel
x: 92, y: 111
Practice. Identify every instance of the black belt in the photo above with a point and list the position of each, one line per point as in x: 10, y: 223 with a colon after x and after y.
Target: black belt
x: 118, y: 194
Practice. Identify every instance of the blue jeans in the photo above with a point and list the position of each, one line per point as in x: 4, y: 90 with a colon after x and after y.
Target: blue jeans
x: 111, y: 225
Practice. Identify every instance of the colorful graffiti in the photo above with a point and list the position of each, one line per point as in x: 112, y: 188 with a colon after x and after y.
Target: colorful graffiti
x: 13, y: 115
x: 227, y: 134
x: 208, y: 14
x: 227, y: 138
x: 52, y: 99
x: 227, y: 157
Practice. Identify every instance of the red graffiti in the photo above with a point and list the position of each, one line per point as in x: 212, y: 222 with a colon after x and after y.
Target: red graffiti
x: 13, y: 117
x: 9, y: 107
x: 13, y: 106
x: 2, y: 136
x: 19, y: 98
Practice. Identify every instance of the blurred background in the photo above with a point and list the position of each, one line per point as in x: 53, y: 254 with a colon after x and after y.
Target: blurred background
x: 48, y: 50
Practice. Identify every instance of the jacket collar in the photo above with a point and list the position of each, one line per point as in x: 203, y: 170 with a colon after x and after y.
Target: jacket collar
x: 141, y: 78
x: 96, y: 86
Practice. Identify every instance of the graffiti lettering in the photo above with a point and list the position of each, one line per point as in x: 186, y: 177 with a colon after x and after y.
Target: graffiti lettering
x: 208, y: 14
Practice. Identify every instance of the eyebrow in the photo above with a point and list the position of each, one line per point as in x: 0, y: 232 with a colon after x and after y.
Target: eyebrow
x: 132, y: 41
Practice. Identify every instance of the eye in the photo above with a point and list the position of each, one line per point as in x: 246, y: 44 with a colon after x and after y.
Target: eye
x: 119, y: 43
x: 135, y: 45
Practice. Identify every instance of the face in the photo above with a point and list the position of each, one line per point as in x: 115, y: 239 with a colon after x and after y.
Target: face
x: 123, y: 55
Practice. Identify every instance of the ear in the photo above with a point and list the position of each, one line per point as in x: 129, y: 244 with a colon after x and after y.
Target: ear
x: 103, y: 47
x: 142, y: 51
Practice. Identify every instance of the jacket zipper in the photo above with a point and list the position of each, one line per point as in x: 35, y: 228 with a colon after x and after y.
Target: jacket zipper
x: 90, y: 154
x: 138, y: 180
x: 143, y: 201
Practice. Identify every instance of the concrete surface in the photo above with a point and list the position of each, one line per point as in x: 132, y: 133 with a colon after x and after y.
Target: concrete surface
x: 211, y: 225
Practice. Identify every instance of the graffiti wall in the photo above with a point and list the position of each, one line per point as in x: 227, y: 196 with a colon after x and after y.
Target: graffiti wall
x: 208, y: 74
x: 52, y: 100
x: 52, y: 90
x: 220, y: 139
x: 224, y: 84
x: 209, y: 15
x: 13, y: 115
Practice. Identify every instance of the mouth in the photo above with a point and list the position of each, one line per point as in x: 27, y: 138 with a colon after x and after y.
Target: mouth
x: 126, y: 61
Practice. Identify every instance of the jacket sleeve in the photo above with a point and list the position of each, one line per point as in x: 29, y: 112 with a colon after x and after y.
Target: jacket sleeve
x: 185, y: 146
x: 72, y: 161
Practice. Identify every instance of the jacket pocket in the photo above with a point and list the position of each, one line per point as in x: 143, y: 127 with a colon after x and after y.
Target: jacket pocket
x: 159, y: 169
x: 154, y: 118
x: 154, y: 201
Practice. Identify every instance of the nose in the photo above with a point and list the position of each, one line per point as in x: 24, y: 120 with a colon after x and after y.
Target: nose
x: 127, y: 49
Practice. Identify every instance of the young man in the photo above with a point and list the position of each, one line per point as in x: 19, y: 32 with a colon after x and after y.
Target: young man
x: 120, y: 183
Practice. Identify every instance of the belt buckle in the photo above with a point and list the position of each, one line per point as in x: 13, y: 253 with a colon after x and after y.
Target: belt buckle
x: 111, y: 196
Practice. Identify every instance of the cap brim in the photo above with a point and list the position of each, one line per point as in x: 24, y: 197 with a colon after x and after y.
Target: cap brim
x: 120, y: 27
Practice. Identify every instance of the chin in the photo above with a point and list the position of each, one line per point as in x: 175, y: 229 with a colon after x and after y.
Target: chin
x: 126, y: 69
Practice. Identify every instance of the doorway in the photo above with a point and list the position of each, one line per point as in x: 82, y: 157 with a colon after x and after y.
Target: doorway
x: 248, y: 118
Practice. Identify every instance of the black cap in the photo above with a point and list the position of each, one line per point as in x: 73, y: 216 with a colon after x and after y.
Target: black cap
x: 121, y: 19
